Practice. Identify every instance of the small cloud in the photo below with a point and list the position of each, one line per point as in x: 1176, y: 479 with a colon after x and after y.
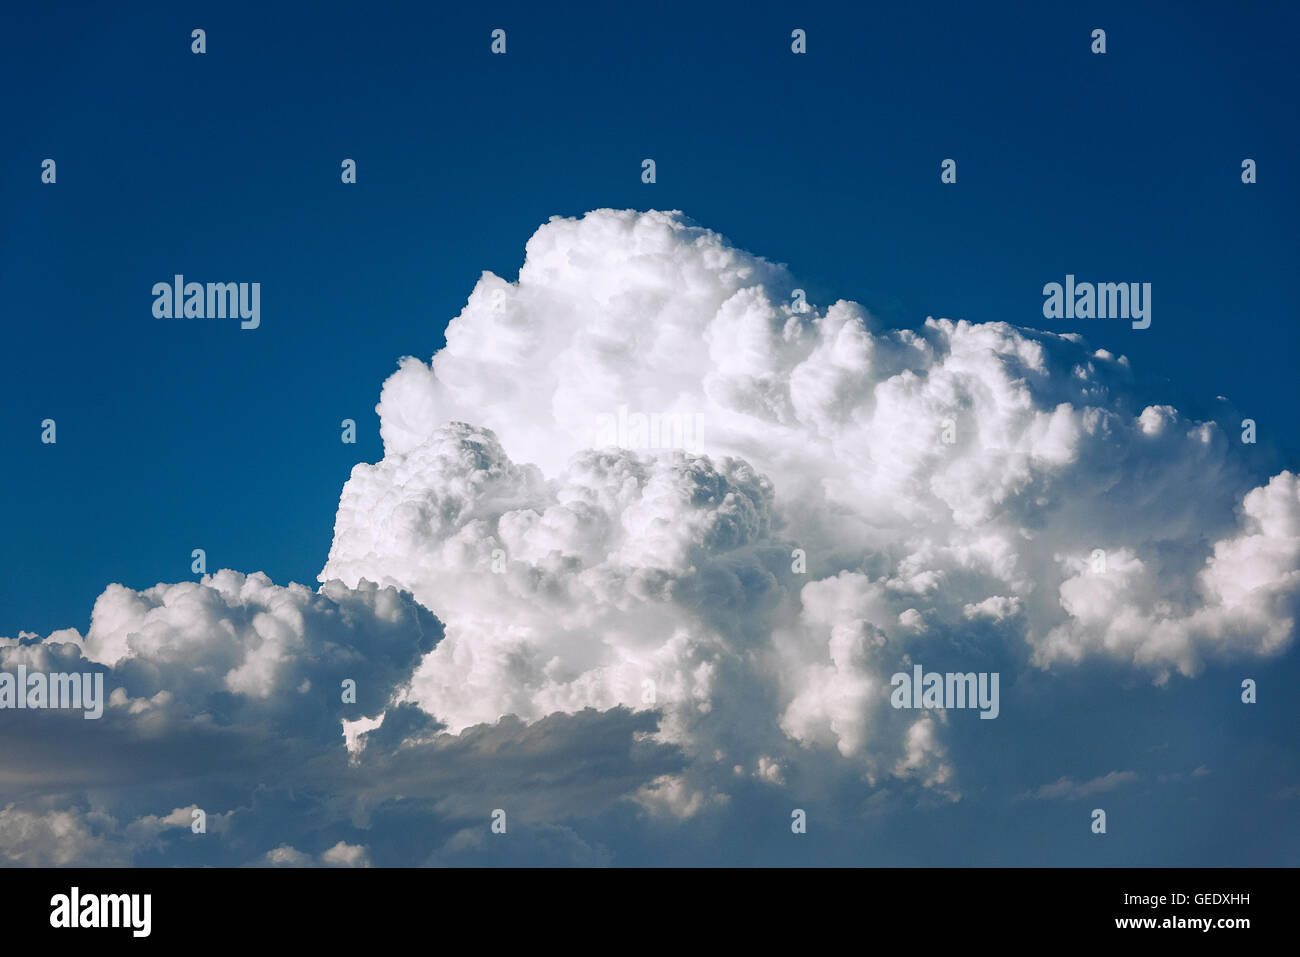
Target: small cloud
x: 285, y: 856
x: 1068, y: 789
x: 340, y: 855
x: 346, y: 855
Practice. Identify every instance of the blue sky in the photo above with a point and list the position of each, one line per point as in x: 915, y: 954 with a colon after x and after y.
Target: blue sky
x: 181, y: 435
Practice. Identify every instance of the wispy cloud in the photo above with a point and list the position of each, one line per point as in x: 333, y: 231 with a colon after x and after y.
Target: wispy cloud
x: 1066, y: 788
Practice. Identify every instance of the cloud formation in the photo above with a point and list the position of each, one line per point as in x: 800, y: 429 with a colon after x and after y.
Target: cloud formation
x: 229, y: 693
x: 966, y: 489
x: 648, y: 531
x: 1067, y: 788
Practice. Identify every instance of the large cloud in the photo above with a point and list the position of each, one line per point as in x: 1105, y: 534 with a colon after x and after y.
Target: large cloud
x: 951, y: 487
x: 649, y: 533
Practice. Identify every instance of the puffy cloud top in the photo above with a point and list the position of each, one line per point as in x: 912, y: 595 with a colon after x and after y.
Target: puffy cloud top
x: 242, y: 647
x: 600, y: 484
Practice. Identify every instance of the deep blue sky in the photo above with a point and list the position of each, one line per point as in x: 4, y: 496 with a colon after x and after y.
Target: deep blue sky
x: 177, y: 435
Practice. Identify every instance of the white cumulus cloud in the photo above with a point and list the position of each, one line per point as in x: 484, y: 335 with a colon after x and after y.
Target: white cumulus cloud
x: 649, y: 521
x: 949, y: 487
